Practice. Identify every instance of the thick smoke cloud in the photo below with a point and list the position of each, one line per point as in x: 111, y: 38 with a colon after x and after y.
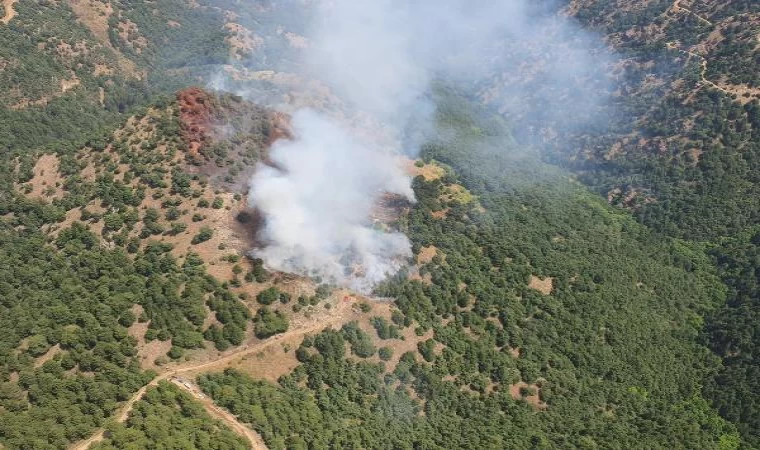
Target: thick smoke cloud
x: 317, y: 202
x: 381, y: 57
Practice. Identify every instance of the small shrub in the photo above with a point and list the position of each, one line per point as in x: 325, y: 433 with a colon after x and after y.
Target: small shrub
x: 385, y: 353
x: 203, y: 235
x: 268, y: 296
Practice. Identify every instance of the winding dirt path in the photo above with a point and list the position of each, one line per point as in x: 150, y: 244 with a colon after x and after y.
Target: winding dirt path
x: 677, y: 7
x: 743, y: 93
x: 703, y: 71
x: 257, y: 443
x: 342, y: 313
x: 10, y: 13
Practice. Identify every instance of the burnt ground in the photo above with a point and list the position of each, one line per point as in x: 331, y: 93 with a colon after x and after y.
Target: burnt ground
x: 226, y: 136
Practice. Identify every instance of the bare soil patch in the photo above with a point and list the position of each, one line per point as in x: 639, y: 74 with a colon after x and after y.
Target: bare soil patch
x: 46, y: 183
x: 10, y: 12
x: 50, y: 354
x: 518, y: 391
x: 542, y: 285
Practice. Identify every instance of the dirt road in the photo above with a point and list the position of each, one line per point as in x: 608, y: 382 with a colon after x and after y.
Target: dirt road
x: 677, y: 7
x: 703, y: 65
x: 257, y: 443
x: 338, y: 315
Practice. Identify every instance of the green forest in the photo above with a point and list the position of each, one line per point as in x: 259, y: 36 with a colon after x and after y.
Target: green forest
x: 613, y: 352
x: 169, y: 418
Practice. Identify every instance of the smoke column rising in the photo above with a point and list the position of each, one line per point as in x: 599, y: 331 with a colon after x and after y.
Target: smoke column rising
x: 317, y: 203
x: 380, y: 57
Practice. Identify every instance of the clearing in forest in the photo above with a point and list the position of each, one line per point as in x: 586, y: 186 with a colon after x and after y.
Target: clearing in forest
x: 543, y: 286
x: 10, y: 13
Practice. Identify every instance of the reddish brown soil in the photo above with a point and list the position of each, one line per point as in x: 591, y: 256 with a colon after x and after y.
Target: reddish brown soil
x: 203, y: 119
x: 196, y: 109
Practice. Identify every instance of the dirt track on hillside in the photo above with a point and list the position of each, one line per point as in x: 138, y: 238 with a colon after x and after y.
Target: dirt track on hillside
x: 340, y: 314
x: 257, y: 443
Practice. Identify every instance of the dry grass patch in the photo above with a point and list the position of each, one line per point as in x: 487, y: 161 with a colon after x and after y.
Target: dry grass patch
x: 457, y: 193
x: 425, y: 279
x: 148, y: 353
x: 46, y: 182
x: 406, y: 343
x: 429, y: 171
x: 542, y: 285
x: 427, y: 254
x: 137, y: 329
x: 272, y: 362
x: 440, y: 214
x: 241, y: 40
x: 296, y: 40
x: 94, y: 15
x: 50, y: 354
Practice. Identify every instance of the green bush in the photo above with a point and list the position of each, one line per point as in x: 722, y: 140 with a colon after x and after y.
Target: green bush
x: 203, y: 235
x: 268, y: 323
x: 268, y: 296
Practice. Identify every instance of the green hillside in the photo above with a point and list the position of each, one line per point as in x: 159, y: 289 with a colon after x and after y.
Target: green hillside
x: 608, y: 358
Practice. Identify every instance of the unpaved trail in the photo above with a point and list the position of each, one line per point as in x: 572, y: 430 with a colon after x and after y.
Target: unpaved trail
x: 341, y: 314
x: 703, y: 71
x: 10, y: 13
x: 257, y: 443
x: 677, y: 7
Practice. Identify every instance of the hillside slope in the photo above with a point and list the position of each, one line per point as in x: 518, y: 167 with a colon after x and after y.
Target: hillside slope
x: 684, y: 157
x: 534, y: 314
x: 535, y: 333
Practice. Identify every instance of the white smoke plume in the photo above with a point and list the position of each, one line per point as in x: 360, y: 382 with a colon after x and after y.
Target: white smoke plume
x: 379, y: 57
x: 317, y: 202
